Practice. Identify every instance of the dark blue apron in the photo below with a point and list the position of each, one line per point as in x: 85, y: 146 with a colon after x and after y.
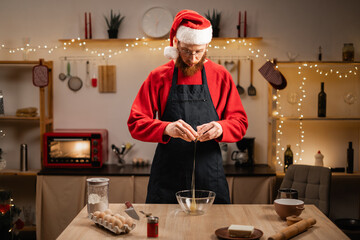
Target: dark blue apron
x: 172, y: 166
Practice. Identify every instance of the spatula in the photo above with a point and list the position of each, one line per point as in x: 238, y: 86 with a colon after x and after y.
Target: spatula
x: 239, y: 88
x: 251, y: 88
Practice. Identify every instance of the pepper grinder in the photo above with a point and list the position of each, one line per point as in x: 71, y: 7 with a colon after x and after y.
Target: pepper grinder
x: 23, y: 158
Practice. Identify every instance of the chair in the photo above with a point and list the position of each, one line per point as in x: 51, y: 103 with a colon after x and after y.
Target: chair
x: 312, y: 184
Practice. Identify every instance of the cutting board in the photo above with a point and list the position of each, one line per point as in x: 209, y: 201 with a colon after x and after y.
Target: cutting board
x: 107, y: 78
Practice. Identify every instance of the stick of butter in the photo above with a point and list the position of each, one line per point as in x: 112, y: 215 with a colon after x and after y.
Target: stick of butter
x: 240, y: 230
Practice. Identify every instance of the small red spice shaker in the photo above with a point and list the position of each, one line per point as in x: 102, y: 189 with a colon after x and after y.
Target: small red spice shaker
x: 153, y: 226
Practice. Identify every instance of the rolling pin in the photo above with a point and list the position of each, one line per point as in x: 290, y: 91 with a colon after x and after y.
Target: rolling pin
x: 293, y: 229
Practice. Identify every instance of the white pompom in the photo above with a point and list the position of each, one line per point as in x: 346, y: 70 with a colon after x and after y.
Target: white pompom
x: 171, y: 52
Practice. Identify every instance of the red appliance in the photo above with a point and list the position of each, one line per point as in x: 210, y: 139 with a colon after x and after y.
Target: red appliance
x: 75, y: 148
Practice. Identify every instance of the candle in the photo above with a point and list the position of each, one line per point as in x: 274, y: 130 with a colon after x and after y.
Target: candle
x: 239, y: 26
x: 85, y: 26
x: 245, y: 25
x: 90, y: 26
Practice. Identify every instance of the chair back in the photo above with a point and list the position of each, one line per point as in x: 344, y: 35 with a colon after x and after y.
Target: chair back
x: 312, y: 183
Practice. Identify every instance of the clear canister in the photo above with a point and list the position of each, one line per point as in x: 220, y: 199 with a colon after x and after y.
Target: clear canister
x: 97, y: 194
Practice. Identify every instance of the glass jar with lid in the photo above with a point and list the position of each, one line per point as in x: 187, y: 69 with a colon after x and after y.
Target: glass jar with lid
x: 97, y: 194
x: 348, y: 52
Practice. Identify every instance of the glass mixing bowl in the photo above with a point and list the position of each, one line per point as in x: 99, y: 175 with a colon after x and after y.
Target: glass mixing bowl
x: 198, y: 205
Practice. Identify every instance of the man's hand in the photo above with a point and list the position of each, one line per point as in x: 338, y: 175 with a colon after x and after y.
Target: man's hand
x: 181, y: 129
x: 209, y: 131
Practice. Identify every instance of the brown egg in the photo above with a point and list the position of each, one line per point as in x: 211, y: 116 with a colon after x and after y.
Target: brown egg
x: 120, y: 217
x: 129, y: 221
x: 112, y: 220
x: 108, y: 211
x: 101, y: 215
x: 96, y: 214
x: 118, y: 223
x: 107, y: 217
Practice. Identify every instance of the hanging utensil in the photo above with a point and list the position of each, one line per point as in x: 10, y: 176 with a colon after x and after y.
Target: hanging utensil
x: 87, y: 80
x: 229, y: 65
x: 62, y: 75
x: 74, y: 83
x: 251, y: 88
x: 238, y: 87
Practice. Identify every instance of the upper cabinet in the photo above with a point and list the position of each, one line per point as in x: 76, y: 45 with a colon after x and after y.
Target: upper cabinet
x: 293, y: 113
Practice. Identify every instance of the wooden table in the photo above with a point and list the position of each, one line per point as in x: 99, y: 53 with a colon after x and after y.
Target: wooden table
x: 175, y: 224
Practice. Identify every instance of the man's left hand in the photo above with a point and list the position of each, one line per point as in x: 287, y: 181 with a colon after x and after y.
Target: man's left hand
x: 209, y: 131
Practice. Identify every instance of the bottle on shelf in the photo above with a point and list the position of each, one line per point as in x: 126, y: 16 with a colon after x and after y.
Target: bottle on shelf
x: 288, y: 157
x: 319, y: 159
x: 322, y: 102
x: 348, y: 52
x: 350, y: 159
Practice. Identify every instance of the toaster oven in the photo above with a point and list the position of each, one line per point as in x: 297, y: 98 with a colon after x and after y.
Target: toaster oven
x: 75, y: 148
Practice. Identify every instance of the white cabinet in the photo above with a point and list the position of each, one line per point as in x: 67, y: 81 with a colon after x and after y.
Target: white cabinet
x: 293, y: 113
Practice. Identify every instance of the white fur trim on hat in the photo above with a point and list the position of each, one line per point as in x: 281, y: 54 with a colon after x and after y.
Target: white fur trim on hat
x: 194, y: 36
x: 171, y: 52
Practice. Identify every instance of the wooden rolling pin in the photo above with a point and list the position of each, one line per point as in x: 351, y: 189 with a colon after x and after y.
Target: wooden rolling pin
x: 293, y: 229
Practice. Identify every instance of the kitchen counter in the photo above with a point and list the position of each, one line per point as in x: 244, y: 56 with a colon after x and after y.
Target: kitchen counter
x: 66, y: 189
x: 175, y: 224
x: 130, y: 170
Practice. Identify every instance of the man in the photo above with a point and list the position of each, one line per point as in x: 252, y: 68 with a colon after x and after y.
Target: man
x: 197, y: 106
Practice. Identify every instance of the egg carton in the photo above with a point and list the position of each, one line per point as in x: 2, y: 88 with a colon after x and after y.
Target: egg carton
x: 109, y: 226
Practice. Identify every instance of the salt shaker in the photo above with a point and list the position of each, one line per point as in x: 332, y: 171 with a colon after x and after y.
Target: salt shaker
x: 319, y: 159
x: 97, y: 194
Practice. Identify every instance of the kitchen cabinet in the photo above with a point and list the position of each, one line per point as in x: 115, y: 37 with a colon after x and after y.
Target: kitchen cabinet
x: 293, y: 114
x: 16, y: 84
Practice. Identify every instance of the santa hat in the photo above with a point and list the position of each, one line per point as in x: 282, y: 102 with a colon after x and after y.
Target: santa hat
x: 188, y: 27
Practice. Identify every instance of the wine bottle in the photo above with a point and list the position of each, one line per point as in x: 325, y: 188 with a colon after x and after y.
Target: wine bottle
x: 288, y: 157
x: 350, y: 159
x: 322, y: 102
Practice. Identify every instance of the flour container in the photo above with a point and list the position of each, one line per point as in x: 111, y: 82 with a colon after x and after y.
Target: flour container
x: 97, y: 194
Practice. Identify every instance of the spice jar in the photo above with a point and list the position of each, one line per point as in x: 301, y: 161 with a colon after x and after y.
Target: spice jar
x: 348, y: 52
x: 97, y: 194
x: 153, y: 226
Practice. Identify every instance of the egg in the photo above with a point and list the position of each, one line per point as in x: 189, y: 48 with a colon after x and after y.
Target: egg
x: 129, y: 221
x: 101, y: 215
x: 120, y: 217
x: 107, y: 217
x: 112, y: 220
x: 118, y: 223
x: 96, y: 214
x: 108, y: 211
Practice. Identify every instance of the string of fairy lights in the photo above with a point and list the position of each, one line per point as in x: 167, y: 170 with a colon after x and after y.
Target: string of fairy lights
x: 124, y: 46
x: 158, y: 45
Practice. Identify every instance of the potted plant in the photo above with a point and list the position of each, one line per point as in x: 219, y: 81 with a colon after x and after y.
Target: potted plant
x: 113, y: 23
x: 214, y: 19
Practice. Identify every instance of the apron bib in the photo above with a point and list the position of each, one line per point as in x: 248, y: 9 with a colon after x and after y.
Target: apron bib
x: 172, y: 165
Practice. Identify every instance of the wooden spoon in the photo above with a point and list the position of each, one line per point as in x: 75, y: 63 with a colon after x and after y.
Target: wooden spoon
x: 239, y: 88
x: 251, y: 88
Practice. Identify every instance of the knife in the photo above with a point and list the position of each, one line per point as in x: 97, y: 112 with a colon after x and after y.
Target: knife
x: 131, y: 211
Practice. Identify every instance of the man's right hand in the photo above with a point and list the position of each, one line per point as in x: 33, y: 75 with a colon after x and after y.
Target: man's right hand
x: 181, y: 129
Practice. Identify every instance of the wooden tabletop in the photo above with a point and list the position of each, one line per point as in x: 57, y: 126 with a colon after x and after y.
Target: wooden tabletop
x: 175, y: 224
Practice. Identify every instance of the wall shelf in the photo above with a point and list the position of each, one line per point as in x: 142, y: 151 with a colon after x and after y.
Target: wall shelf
x: 127, y: 40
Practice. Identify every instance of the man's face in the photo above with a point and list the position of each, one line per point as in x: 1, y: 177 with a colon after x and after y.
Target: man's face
x: 191, y: 57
